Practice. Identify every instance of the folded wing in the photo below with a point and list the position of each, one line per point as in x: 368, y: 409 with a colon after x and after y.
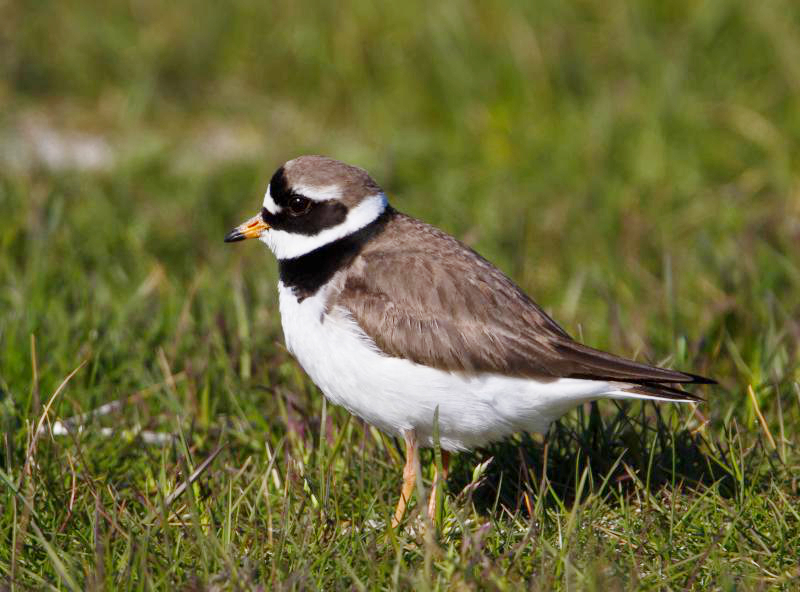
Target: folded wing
x: 420, y: 294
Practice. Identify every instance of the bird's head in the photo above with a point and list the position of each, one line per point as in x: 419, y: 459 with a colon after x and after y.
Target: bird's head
x: 310, y: 202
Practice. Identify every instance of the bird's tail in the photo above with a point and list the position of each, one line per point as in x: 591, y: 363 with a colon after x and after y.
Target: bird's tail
x: 656, y: 392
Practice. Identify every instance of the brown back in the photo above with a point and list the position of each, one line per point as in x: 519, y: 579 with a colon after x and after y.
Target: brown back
x: 420, y: 294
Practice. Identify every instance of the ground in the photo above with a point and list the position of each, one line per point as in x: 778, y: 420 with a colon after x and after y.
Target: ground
x: 634, y: 168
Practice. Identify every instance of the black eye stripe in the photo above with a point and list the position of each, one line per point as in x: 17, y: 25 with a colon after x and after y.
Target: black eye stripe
x: 285, y: 198
x: 319, y: 215
x: 325, y: 214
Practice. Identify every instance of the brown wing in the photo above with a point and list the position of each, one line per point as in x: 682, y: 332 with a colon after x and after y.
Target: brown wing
x: 422, y: 295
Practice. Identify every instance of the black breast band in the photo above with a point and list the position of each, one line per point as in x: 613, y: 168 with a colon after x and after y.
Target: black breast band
x: 307, y: 273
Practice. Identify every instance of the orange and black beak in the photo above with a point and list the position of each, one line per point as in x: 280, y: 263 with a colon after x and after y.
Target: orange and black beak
x: 253, y: 228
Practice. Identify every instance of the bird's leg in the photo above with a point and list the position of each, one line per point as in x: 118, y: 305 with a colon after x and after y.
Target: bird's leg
x: 409, y: 476
x: 436, y: 479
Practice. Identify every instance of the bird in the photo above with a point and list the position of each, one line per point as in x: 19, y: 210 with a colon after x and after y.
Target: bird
x: 411, y: 330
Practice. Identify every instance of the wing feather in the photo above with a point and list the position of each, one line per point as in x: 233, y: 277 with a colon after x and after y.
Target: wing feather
x: 420, y: 294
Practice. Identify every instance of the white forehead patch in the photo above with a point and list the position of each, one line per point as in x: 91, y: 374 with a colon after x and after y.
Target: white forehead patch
x: 270, y: 204
x: 319, y: 192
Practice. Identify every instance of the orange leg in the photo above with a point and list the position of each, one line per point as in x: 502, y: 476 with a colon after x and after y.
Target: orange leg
x: 436, y: 479
x: 409, y: 477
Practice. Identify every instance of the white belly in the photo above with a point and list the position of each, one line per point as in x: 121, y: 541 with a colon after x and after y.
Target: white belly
x: 394, y: 394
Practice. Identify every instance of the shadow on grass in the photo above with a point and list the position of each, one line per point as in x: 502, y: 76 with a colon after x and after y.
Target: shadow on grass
x: 622, y: 452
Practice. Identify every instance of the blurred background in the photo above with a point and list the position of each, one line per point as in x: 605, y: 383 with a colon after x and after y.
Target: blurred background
x: 633, y: 164
x: 635, y: 167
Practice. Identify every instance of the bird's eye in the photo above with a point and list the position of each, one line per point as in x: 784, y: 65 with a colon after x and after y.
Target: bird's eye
x: 299, y: 205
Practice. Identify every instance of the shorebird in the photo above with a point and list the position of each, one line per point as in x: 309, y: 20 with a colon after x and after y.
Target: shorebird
x: 393, y: 319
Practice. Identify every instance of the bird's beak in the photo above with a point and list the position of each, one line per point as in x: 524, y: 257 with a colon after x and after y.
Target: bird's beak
x: 253, y: 228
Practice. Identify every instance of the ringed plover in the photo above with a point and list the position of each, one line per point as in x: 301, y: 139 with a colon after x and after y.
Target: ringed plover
x: 392, y: 318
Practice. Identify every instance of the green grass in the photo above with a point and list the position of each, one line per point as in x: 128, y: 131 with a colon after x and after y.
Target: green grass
x: 634, y: 168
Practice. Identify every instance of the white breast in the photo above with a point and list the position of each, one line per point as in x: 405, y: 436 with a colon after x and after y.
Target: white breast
x: 394, y: 394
